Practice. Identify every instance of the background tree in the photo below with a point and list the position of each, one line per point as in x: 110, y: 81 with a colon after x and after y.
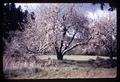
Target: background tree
x: 106, y: 36
x: 12, y: 20
x: 21, y: 41
x: 32, y: 41
x: 104, y: 41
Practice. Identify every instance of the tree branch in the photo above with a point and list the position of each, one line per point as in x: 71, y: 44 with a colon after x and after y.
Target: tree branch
x: 32, y: 51
x: 77, y: 45
x: 62, y: 41
x: 36, y: 51
x: 70, y: 41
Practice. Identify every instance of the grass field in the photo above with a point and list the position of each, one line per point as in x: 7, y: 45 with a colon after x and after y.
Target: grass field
x: 49, y: 68
x: 73, y: 57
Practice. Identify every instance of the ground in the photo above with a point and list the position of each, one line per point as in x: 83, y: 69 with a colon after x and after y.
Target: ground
x: 47, y: 67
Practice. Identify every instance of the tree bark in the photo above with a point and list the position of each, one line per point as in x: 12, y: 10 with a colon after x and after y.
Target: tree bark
x: 59, y: 56
x: 77, y: 44
x: 59, y: 53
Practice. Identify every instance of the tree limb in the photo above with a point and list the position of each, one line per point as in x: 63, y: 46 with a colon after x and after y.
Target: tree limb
x: 62, y: 41
x: 77, y: 45
x: 32, y: 51
x: 36, y: 51
x: 70, y: 41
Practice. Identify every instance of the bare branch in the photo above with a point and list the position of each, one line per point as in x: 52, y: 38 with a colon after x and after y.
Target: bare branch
x: 83, y: 43
x: 32, y: 51
x: 62, y: 41
x: 70, y: 41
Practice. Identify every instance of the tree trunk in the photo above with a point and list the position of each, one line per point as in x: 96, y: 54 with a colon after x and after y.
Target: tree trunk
x: 59, y: 56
